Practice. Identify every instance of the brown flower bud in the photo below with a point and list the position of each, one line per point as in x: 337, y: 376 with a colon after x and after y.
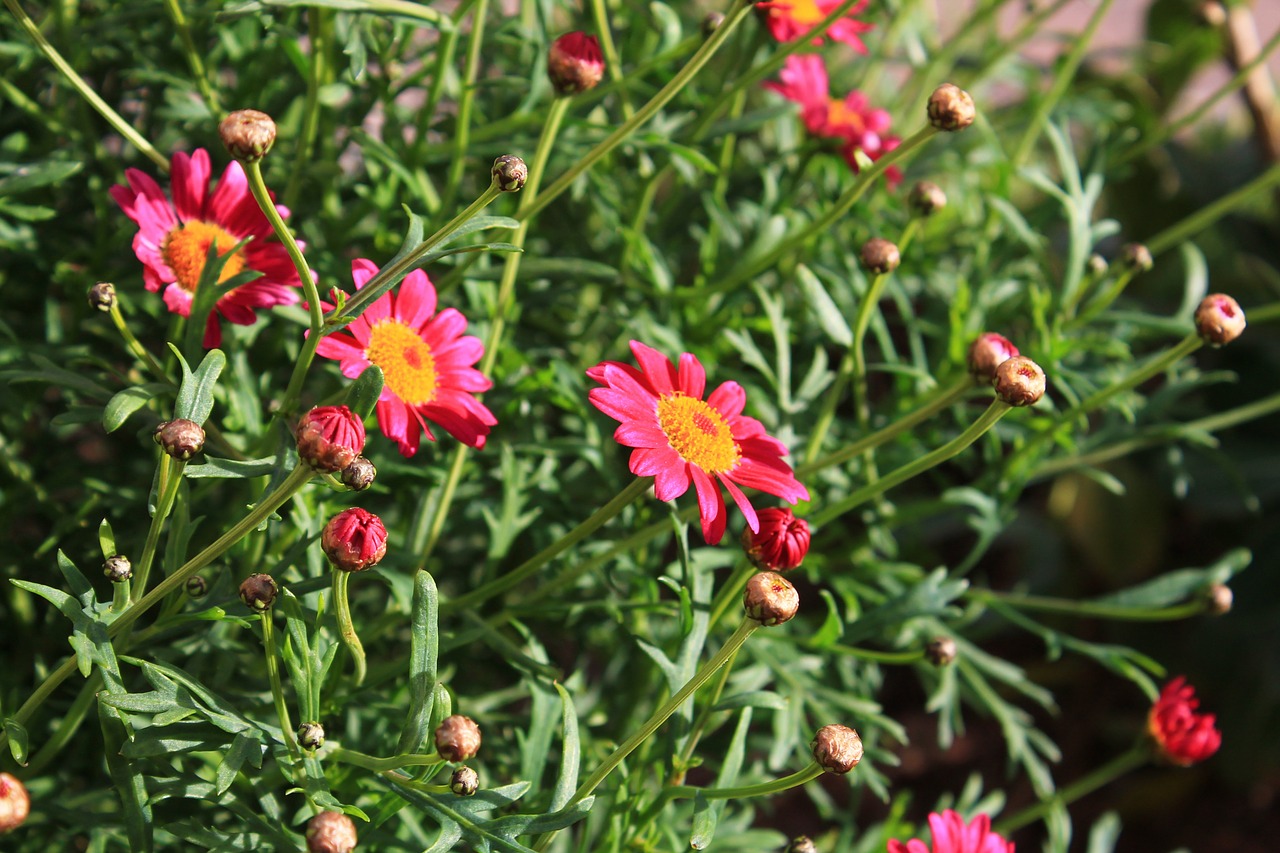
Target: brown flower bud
x: 1136, y: 257
x: 510, y: 173
x: 248, y: 134
x: 575, y: 63
x: 988, y: 352
x: 880, y: 256
x: 1220, y: 599
x: 1097, y: 265
x: 1219, y: 319
x: 464, y: 782
x: 196, y: 586
x: 1019, y: 381
x: 802, y: 844
x: 15, y: 802
x: 354, y: 540
x: 838, y: 749
x: 118, y: 569
x: 331, y: 832
x: 457, y: 738
x: 951, y: 108
x: 770, y: 599
x: 180, y: 438
x: 102, y: 296
x: 258, y: 592
x: 711, y: 22
x: 940, y: 651
x: 311, y: 736
x: 330, y: 437
x: 927, y: 198
x: 359, y: 475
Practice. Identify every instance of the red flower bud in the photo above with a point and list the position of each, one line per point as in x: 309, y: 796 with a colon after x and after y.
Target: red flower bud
x: 1219, y: 319
x: 780, y: 544
x: 987, y: 353
x: 575, y: 63
x: 354, y: 540
x: 1183, y: 736
x: 15, y: 803
x: 331, y: 832
x: 330, y: 438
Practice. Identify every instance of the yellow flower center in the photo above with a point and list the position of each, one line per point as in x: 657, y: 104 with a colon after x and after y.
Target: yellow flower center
x: 408, y: 367
x: 186, y: 247
x: 698, y: 433
x: 841, y: 116
x: 802, y: 11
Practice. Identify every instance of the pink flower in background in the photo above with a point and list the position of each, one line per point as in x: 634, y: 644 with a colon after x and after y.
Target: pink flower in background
x: 173, y: 240
x: 425, y: 359
x: 952, y: 835
x: 789, y: 20
x: 1183, y: 736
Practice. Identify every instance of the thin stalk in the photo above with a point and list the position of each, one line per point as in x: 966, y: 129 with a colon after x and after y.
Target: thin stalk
x: 462, y: 125
x: 380, y: 765
x: 193, y: 57
x: 1109, y: 772
x: 1211, y: 213
x: 988, y: 419
x: 760, y: 789
x: 1100, y: 302
x: 940, y: 65
x: 700, y: 724
x: 346, y: 627
x: 318, y: 34
x: 731, y: 591
x: 277, y: 689
x: 876, y: 655
x: 1066, y: 606
x: 134, y: 346
x: 170, y: 479
x: 612, y: 64
x: 86, y: 91
x: 870, y: 302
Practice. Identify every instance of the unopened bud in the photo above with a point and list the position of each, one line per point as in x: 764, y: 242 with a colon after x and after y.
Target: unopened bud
x: 770, y: 599
x: 330, y: 437
x: 781, y: 542
x: 457, y: 738
x: 354, y: 540
x: 1097, y: 264
x: 248, y: 134
x: 1212, y: 14
x: 311, y: 736
x: 331, y: 832
x: 180, y: 438
x: 951, y: 108
x: 359, y: 475
x: 940, y: 651
x: 15, y: 802
x: 1136, y: 257
x: 927, y: 198
x: 1019, y: 381
x: 258, y: 592
x: 1219, y: 319
x: 988, y: 352
x: 464, y: 782
x: 102, y: 296
x: 836, y: 748
x: 1220, y: 599
x: 880, y: 256
x: 196, y: 586
x: 575, y: 63
x: 711, y: 22
x: 802, y: 844
x: 510, y: 173
x: 117, y: 569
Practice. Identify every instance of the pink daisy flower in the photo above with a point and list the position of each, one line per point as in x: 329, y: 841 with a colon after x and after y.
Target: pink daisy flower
x: 789, y: 20
x: 173, y: 240
x: 952, y: 835
x: 425, y: 360
x: 680, y: 438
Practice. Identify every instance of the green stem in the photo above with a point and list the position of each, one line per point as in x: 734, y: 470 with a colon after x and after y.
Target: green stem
x: 862, y: 321
x: 876, y: 655
x: 1046, y: 604
x: 994, y: 412
x: 546, y: 555
x: 1211, y: 213
x: 761, y: 789
x: 135, y: 346
x: 193, y: 57
x: 169, y: 480
x: 84, y: 89
x: 446, y: 46
x: 612, y: 64
x: 1105, y: 774
x: 1100, y: 303
x: 462, y: 125
x: 379, y: 765
x: 731, y: 591
x: 318, y: 34
x: 277, y: 689
x: 346, y: 627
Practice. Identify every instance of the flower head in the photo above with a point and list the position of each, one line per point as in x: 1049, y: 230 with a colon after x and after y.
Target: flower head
x: 248, y: 134
x: 780, y: 544
x: 837, y: 748
x: 331, y: 832
x: 952, y: 835
x: 1019, y: 381
x: 425, y: 359
x: 354, y: 540
x: 1219, y: 319
x: 575, y: 63
x: 330, y: 437
x: 258, y: 592
x: 770, y: 599
x: 951, y: 108
x: 174, y: 238
x: 680, y: 438
x: 789, y: 20
x: 1183, y: 736
x: 987, y: 352
x: 15, y: 802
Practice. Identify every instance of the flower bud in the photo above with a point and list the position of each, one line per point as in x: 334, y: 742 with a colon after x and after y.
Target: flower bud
x: 248, y: 134
x: 457, y: 738
x: 1136, y: 257
x: 464, y: 782
x: 331, y: 832
x: 102, y: 296
x: 510, y: 173
x: 940, y: 651
x: 258, y: 592
x: 1219, y: 319
x: 1220, y: 599
x: 118, y: 569
x: 180, y: 438
x: 359, y: 475
x: 330, y: 437
x: 802, y: 844
x: 1019, y: 381
x: 196, y: 586
x: 1212, y: 14
x: 575, y: 63
x: 311, y: 736
x: 1182, y: 735
x: 838, y: 749
x: 780, y: 544
x: 927, y: 198
x: 354, y: 540
x: 951, y: 108
x: 15, y: 802
x: 880, y: 256
x: 711, y: 22
x: 770, y: 599
x: 1097, y: 265
x: 987, y: 353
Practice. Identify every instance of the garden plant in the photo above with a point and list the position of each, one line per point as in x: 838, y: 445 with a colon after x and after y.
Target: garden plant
x: 533, y: 426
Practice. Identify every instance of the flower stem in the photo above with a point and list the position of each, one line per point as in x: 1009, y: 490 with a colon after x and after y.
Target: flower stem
x: 318, y: 35
x: 347, y: 628
x: 1105, y: 774
x: 600, y: 16
x: 761, y: 789
x: 395, y: 762
x: 994, y: 412
x: 1211, y: 213
x: 194, y: 59
x: 462, y: 125
x: 277, y: 689
x: 169, y: 479
x: 876, y: 655
x: 1047, y: 604
x: 135, y: 346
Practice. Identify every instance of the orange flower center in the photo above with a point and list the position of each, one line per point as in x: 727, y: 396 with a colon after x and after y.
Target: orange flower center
x: 804, y: 12
x: 186, y: 247
x: 698, y: 433
x: 408, y: 368
x: 840, y: 115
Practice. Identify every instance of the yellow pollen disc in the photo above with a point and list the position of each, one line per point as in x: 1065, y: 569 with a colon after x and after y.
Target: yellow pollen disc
x: 185, y: 248
x: 841, y: 116
x: 698, y: 433
x: 804, y: 11
x: 408, y: 367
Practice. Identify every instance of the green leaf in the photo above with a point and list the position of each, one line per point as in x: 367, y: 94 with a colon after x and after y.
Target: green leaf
x: 77, y: 582
x: 195, y: 396
x: 570, y: 754
x: 17, y: 740
x: 128, y: 401
x: 106, y: 540
x: 828, y: 314
x: 424, y: 652
x: 35, y: 175
x: 706, y: 814
x: 1177, y: 586
x: 363, y: 394
x: 127, y: 776
x: 246, y: 746
x: 232, y: 468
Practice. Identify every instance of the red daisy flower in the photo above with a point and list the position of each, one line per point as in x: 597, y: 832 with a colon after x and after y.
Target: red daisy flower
x: 789, y: 20
x: 1183, y: 736
x: 952, y: 835
x: 679, y: 437
x: 425, y: 360
x: 173, y: 240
